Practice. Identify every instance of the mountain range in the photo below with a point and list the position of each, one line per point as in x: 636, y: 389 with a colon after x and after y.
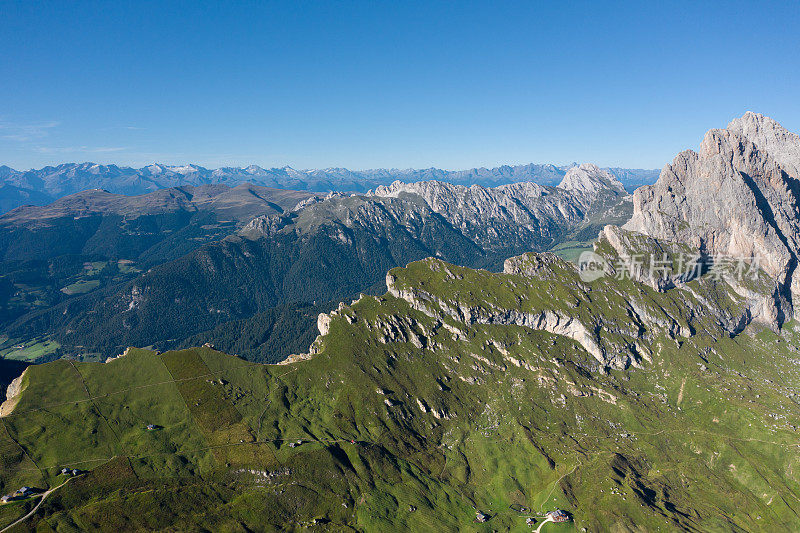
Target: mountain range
x: 655, y: 393
x: 254, y: 291
x: 42, y: 186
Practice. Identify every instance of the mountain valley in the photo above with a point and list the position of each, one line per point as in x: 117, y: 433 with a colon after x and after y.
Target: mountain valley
x: 475, y: 381
x: 277, y: 268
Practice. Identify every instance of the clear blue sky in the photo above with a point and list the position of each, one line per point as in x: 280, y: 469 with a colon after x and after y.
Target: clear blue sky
x: 386, y: 84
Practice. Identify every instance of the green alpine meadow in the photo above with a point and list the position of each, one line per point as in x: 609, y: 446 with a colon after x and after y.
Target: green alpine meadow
x: 458, y: 394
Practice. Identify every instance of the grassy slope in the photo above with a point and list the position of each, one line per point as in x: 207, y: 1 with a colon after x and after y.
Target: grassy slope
x: 701, y: 438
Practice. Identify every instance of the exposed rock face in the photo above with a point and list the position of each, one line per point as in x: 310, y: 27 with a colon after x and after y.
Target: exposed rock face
x: 613, y: 341
x: 503, y: 220
x: 736, y: 196
x: 12, y: 395
x: 770, y: 137
x: 628, y: 245
x: 545, y: 320
x: 493, y: 217
x: 669, y: 265
x: 123, y: 354
x: 539, y: 265
x: 587, y: 182
x: 523, y: 211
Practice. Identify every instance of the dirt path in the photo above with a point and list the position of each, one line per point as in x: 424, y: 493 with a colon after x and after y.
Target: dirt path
x: 555, y: 484
x: 44, y: 496
x: 537, y: 530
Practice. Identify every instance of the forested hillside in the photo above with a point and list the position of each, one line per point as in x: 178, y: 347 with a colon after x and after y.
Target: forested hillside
x: 240, y: 277
x: 90, y: 243
x: 279, y: 266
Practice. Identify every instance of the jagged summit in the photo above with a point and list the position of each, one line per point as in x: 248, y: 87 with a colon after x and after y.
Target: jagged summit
x: 525, y: 207
x: 581, y: 187
x: 736, y: 196
x: 6, y: 171
x: 434, y: 190
x: 766, y: 133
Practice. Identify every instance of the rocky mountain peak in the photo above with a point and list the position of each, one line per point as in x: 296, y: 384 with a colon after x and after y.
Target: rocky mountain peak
x: 768, y: 135
x: 736, y: 197
x: 588, y: 179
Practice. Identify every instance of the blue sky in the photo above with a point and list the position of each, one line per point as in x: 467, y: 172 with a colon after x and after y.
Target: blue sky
x: 386, y: 84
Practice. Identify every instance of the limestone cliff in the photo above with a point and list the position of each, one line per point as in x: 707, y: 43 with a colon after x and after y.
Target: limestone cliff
x: 737, y: 196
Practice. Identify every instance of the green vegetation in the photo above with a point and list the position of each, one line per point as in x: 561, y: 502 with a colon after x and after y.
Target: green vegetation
x: 267, y: 337
x: 34, y: 350
x: 571, y: 250
x: 247, y: 296
x: 56, y: 268
x: 412, y: 416
x: 81, y: 287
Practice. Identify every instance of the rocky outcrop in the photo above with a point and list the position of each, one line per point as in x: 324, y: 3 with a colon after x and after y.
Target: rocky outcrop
x: 120, y: 356
x: 523, y: 212
x: 610, y: 342
x: 737, y: 196
x: 324, y: 327
x: 655, y: 263
x: 13, y: 394
x: 532, y: 265
x: 770, y: 137
x: 265, y: 226
x: 666, y: 265
x: 588, y: 182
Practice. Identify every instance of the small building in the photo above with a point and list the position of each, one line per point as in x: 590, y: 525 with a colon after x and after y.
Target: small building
x: 480, y: 517
x: 22, y: 492
x: 151, y: 427
x: 558, y: 516
x: 65, y: 471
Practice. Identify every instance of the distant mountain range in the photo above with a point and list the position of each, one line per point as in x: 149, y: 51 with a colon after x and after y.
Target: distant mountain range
x: 42, y: 186
x: 94, y: 272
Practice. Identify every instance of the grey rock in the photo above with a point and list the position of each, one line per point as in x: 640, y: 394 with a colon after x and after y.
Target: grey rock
x: 736, y: 196
x: 523, y: 212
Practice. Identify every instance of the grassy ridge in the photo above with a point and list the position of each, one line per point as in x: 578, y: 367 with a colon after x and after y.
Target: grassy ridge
x: 408, y: 421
